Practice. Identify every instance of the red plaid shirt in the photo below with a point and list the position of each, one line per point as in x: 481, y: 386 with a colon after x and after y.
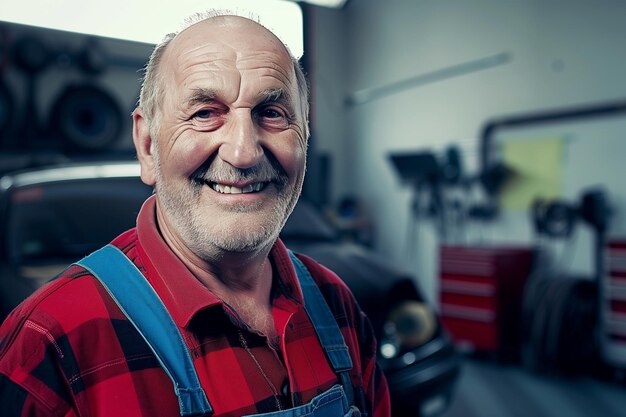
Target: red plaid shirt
x: 69, y: 350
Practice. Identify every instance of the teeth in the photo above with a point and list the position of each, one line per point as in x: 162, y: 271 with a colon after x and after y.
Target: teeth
x: 231, y: 189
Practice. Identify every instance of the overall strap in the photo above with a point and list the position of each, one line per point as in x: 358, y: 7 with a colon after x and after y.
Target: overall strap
x: 145, y: 310
x: 325, y: 326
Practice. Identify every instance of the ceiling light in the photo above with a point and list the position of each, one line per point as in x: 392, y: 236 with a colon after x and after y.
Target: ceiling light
x: 335, y: 4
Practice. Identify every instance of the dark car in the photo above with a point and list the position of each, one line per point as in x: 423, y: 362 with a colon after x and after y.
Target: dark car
x: 50, y: 217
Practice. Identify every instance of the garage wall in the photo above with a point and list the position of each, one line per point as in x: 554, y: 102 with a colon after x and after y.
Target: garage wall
x: 119, y: 78
x: 564, y: 53
x: 328, y: 76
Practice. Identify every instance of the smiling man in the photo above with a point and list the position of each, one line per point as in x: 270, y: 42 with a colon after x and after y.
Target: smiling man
x: 200, y: 309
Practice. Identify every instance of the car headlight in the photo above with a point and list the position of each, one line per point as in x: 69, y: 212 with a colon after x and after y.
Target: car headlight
x: 409, y: 325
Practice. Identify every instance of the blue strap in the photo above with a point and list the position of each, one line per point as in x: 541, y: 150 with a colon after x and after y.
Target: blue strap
x: 140, y: 303
x: 322, y: 318
x: 325, y: 326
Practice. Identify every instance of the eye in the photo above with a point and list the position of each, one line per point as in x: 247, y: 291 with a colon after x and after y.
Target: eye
x: 272, y: 117
x: 208, y: 118
x: 271, y: 113
x: 203, y: 114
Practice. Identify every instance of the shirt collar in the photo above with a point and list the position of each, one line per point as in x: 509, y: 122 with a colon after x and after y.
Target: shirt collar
x: 181, y: 292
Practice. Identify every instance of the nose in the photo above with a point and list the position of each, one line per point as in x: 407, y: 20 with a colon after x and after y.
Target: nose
x: 241, y: 146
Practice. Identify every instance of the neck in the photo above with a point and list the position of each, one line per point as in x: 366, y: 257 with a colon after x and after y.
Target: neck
x: 231, y: 276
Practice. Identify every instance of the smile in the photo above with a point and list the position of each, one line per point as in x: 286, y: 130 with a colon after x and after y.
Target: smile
x: 231, y: 189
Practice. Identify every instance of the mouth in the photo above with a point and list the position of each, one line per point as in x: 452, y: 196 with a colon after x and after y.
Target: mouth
x: 231, y: 189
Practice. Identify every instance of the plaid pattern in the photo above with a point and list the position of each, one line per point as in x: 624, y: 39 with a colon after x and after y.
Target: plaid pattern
x: 69, y: 350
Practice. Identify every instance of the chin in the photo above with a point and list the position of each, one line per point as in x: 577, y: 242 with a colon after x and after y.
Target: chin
x: 240, y: 236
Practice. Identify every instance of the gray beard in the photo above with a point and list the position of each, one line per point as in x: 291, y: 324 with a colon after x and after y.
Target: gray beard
x: 182, y: 206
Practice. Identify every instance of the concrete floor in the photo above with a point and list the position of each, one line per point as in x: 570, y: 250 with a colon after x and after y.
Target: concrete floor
x: 487, y: 389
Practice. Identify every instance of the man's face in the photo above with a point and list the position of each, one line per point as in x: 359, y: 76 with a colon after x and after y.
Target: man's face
x: 230, y: 152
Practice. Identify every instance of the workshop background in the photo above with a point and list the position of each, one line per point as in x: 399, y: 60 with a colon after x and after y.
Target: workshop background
x: 478, y: 146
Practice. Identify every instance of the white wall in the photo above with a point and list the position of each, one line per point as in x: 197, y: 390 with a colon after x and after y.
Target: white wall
x: 564, y: 53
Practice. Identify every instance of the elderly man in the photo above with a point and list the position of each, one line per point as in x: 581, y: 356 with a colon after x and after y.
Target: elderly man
x: 201, y: 310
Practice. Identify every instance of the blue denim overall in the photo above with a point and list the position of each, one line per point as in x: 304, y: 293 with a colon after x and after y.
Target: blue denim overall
x: 143, y: 307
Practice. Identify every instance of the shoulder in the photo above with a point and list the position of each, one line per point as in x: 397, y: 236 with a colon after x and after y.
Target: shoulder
x: 322, y: 275
x: 68, y: 301
x: 70, y: 304
x: 57, y: 308
x: 74, y: 292
x: 336, y: 292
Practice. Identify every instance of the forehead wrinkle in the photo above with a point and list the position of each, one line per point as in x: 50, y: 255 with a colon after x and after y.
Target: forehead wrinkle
x: 267, y: 61
x: 196, y: 54
x: 202, y: 64
x: 183, y: 59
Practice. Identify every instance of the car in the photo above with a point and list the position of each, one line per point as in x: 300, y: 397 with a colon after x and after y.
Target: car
x: 52, y: 216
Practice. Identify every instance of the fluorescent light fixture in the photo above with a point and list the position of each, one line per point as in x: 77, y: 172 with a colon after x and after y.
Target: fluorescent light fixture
x: 334, y: 4
x: 148, y: 21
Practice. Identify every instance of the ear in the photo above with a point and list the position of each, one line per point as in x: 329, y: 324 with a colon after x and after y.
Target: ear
x: 144, y: 145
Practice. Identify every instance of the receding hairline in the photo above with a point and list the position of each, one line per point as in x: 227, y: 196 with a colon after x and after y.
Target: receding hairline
x: 235, y: 22
x: 153, y: 80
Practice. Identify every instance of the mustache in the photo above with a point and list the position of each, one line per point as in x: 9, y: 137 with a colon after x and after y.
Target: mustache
x: 216, y: 170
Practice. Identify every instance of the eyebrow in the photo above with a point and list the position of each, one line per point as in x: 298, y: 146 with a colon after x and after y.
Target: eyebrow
x: 270, y: 95
x: 276, y: 95
x: 202, y: 95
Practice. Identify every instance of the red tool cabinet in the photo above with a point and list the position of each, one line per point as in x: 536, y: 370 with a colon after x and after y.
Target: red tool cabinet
x: 613, y: 305
x: 481, y: 291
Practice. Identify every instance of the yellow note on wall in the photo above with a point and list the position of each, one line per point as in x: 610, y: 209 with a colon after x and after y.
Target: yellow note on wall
x: 537, y: 165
